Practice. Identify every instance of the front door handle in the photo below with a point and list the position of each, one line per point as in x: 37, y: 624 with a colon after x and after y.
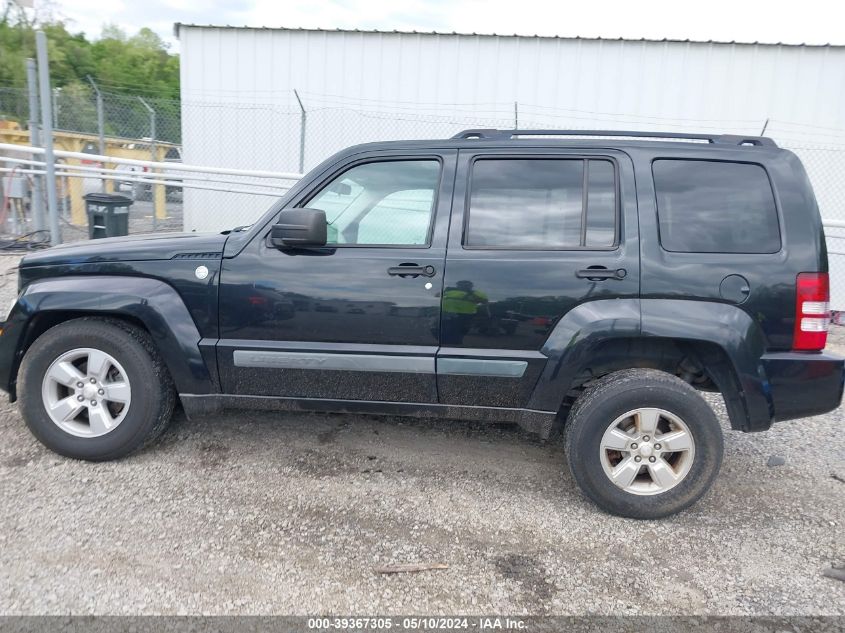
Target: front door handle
x: 411, y: 270
x: 600, y: 273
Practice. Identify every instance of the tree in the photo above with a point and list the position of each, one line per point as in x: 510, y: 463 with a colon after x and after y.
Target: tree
x: 123, y: 67
x: 140, y: 64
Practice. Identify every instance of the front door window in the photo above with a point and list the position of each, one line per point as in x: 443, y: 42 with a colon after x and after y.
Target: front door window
x: 388, y: 203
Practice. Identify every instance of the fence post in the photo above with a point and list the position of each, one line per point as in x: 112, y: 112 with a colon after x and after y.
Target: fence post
x: 55, y: 95
x: 35, y: 140
x: 101, y: 127
x: 47, y: 127
x: 303, y: 120
x: 158, y: 191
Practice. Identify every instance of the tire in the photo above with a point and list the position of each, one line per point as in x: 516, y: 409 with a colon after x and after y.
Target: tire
x: 138, y: 414
x: 654, y: 491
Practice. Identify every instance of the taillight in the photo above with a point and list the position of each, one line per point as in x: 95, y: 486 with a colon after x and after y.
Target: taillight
x: 812, y: 311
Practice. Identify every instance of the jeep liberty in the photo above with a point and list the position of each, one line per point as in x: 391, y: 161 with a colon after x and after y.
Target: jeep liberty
x: 591, y: 280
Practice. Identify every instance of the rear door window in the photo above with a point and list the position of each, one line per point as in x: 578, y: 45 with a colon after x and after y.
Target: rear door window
x: 715, y: 207
x: 542, y: 204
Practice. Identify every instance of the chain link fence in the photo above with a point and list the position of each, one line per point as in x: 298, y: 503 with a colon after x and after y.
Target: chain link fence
x: 827, y: 171
x: 125, y: 116
x: 291, y: 134
x: 132, y: 127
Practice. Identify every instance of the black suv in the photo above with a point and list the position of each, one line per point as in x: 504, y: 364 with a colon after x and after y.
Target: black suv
x: 597, y: 280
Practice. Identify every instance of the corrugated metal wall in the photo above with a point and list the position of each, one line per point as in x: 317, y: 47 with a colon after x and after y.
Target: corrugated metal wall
x: 711, y: 83
x: 239, y: 107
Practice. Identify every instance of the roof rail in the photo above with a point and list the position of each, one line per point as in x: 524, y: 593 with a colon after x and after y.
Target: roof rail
x: 722, y: 139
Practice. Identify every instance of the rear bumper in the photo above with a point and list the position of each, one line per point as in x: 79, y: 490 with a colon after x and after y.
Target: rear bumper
x: 802, y: 384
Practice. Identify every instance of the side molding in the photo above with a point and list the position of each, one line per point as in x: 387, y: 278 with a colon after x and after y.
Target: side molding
x: 481, y: 367
x: 330, y: 361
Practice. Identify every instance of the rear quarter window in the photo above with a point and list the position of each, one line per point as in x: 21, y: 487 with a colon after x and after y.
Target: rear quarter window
x: 715, y: 207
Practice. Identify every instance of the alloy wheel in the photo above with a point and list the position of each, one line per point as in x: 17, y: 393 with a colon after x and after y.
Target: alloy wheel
x: 86, y: 392
x: 647, y: 451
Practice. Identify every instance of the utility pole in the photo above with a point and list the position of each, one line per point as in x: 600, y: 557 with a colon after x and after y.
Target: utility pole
x: 35, y: 140
x: 101, y: 125
x: 47, y: 127
x: 515, y: 115
x: 303, y: 120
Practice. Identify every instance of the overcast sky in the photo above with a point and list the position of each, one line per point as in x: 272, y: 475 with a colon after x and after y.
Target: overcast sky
x: 807, y: 21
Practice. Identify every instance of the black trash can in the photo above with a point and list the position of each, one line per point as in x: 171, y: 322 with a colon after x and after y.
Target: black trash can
x: 108, y: 214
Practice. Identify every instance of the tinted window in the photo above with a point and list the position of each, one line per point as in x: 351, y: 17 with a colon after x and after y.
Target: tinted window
x: 385, y: 203
x: 541, y: 204
x: 601, y: 203
x: 715, y: 207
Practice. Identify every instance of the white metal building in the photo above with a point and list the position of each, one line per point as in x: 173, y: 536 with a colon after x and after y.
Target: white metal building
x: 240, y: 107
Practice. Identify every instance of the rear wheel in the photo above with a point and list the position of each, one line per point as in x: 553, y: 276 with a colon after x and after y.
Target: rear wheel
x: 95, y: 389
x: 643, y: 444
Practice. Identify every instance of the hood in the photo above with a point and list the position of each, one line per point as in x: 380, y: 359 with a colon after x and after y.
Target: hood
x: 129, y: 248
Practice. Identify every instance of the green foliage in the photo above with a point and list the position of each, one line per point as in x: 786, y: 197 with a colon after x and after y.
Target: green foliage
x: 124, y: 67
x: 138, y: 65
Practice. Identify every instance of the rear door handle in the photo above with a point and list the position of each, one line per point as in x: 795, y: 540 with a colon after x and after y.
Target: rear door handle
x: 411, y: 270
x: 600, y: 273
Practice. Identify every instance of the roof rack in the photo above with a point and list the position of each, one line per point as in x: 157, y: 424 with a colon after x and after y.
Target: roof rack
x: 721, y: 139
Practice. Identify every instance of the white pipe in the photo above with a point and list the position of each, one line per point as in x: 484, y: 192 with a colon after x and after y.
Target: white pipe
x: 98, y: 171
x: 63, y: 174
x: 274, y: 194
x: 36, y: 172
x: 154, y: 165
x: 21, y: 161
x: 162, y: 176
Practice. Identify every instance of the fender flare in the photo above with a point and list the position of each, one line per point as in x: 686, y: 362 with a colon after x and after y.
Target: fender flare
x: 574, y: 336
x: 580, y: 332
x: 152, y: 302
x: 751, y: 408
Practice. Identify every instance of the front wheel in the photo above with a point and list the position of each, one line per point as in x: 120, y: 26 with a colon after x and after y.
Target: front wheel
x: 95, y: 389
x: 642, y: 443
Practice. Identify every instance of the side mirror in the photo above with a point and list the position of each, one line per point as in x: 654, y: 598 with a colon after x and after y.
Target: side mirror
x: 299, y: 227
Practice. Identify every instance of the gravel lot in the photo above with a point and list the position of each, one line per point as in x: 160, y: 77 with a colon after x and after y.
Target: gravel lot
x: 288, y: 514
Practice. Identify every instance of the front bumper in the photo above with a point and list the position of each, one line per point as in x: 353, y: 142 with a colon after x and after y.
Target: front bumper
x: 802, y: 384
x: 11, y: 338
